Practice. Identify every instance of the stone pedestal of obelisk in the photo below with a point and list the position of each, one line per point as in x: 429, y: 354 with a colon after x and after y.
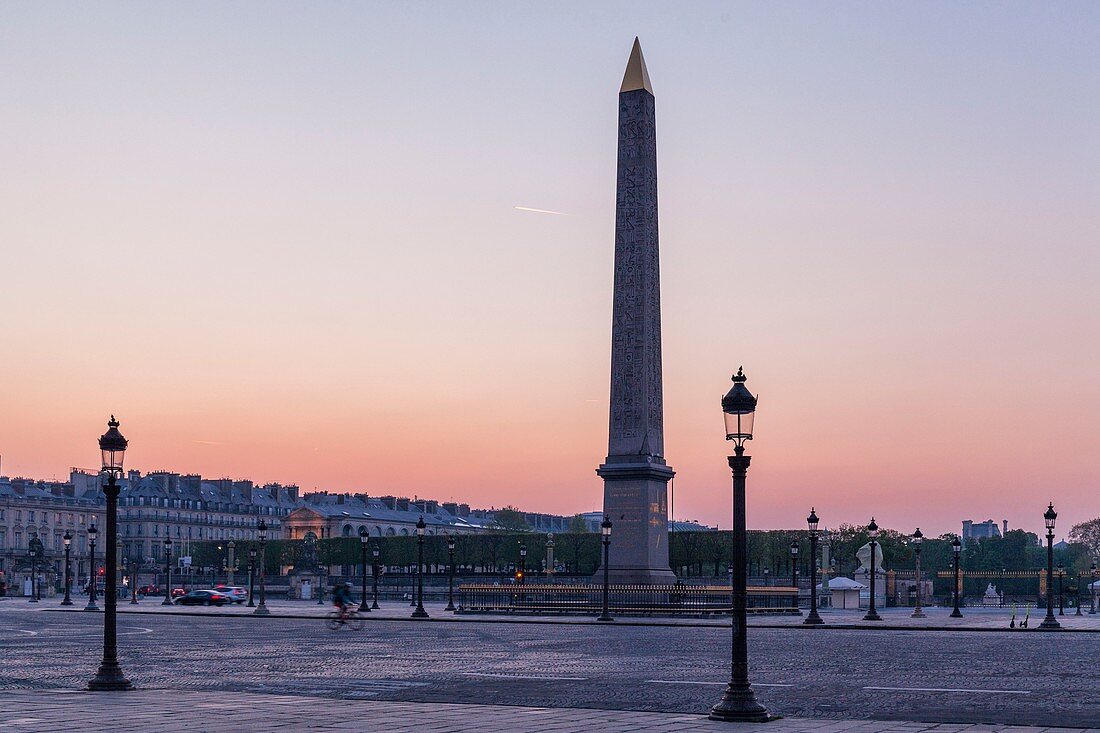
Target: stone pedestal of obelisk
x: 635, y: 474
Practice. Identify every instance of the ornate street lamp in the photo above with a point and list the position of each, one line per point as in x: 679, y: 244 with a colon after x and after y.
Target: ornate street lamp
x: 956, y: 550
x: 135, y: 563
x: 375, y: 552
x: 605, y: 533
x: 363, y: 537
x: 251, y: 577
x: 261, y: 531
x: 231, y: 563
x: 872, y: 531
x: 918, y: 540
x: 68, y: 540
x: 739, y: 703
x: 167, y: 572
x: 1049, y: 518
x: 794, y: 574
x: 450, y: 573
x: 1092, y: 588
x: 1061, y: 574
x: 92, y: 531
x: 112, y: 447
x: 813, y: 619
x: 1078, y: 594
x: 522, y: 564
x: 420, y: 612
x: 32, y: 553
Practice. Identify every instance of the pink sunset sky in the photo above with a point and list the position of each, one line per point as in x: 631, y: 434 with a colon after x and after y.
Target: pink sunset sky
x: 283, y: 243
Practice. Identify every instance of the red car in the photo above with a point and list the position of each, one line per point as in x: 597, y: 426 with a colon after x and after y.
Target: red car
x: 203, y: 598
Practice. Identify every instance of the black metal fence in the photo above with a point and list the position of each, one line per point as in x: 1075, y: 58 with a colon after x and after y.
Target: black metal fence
x: 623, y: 600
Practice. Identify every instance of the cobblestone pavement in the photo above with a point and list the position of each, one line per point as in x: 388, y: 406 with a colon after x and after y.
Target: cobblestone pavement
x: 1028, y: 677
x: 148, y: 710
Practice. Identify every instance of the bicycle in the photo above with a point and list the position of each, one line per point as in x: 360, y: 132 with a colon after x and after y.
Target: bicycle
x: 349, y: 619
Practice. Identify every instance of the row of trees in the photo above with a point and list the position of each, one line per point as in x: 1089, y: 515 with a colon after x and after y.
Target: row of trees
x: 691, y: 553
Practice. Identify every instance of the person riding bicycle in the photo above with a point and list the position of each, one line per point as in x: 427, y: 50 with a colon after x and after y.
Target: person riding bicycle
x: 341, y: 597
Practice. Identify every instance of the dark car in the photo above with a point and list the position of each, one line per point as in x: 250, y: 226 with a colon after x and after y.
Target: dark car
x: 203, y: 598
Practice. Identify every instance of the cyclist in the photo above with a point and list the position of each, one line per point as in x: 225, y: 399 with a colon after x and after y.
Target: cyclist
x: 341, y: 598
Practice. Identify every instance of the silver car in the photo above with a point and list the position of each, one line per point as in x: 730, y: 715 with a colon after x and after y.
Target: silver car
x: 238, y: 594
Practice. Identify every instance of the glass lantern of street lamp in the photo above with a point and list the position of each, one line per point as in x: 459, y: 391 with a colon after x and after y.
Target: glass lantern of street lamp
x: 739, y: 410
x: 794, y: 548
x: 605, y: 526
x: 523, y: 550
x: 956, y: 546
x: 420, y: 527
x: 375, y: 552
x: 918, y: 537
x: 261, y: 529
x: 363, y: 535
x: 92, y: 532
x: 1050, y: 517
x: 872, y: 529
x: 112, y: 446
x: 1061, y: 568
x: 67, y: 539
x: 812, y: 521
x: 168, y: 545
x: 450, y: 543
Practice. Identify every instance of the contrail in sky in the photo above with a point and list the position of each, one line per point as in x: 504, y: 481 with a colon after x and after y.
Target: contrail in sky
x: 540, y: 211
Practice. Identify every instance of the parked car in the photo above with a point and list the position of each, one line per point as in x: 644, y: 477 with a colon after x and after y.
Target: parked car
x: 236, y: 593
x: 177, y: 592
x: 203, y: 598
x: 149, y: 590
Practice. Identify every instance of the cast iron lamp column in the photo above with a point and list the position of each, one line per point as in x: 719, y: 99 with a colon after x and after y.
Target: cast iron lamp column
x: 918, y: 539
x: 794, y: 575
x: 33, y: 553
x: 363, y: 536
x: 167, y: 572
x: 92, y: 579
x: 522, y: 564
x: 872, y: 614
x: 1061, y: 574
x: 68, y: 569
x: 450, y: 573
x: 112, y: 446
x: 1092, y: 588
x: 1049, y: 518
x: 813, y: 619
x: 420, y: 612
x: 134, y: 565
x: 375, y: 552
x: 605, y: 532
x: 1078, y: 594
x: 956, y: 549
x: 261, y: 530
x: 251, y: 577
x: 739, y: 703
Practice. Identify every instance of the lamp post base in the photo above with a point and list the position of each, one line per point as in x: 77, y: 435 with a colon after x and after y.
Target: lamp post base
x: 872, y: 615
x: 604, y: 617
x: 918, y: 614
x: 420, y: 613
x: 813, y: 620
x: 109, y: 678
x: 261, y: 610
x: 364, y: 607
x: 68, y: 602
x: 91, y: 606
x: 1050, y: 624
x: 956, y: 614
x: 450, y: 606
x: 739, y: 705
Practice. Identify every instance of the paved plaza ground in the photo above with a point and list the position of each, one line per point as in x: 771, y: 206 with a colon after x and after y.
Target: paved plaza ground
x: 473, y: 672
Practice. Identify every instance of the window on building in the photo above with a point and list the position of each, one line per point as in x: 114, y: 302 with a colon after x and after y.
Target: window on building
x: 30, y: 516
x: 19, y: 515
x: 57, y: 517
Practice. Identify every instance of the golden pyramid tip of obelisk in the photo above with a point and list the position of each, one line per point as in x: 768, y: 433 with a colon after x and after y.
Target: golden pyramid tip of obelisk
x: 636, y: 76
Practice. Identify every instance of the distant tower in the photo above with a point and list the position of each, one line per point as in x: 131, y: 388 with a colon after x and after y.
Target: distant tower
x: 635, y: 474
x: 1004, y: 524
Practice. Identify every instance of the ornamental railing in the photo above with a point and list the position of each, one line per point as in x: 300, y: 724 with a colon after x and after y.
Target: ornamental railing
x: 633, y: 600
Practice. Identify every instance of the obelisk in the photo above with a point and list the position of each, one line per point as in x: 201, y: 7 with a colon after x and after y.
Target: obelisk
x: 635, y: 474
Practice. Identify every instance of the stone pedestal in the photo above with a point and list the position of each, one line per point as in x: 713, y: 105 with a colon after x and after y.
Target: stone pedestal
x: 636, y: 499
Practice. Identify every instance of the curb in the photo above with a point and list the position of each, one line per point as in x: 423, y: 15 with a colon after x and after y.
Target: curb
x: 590, y: 622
